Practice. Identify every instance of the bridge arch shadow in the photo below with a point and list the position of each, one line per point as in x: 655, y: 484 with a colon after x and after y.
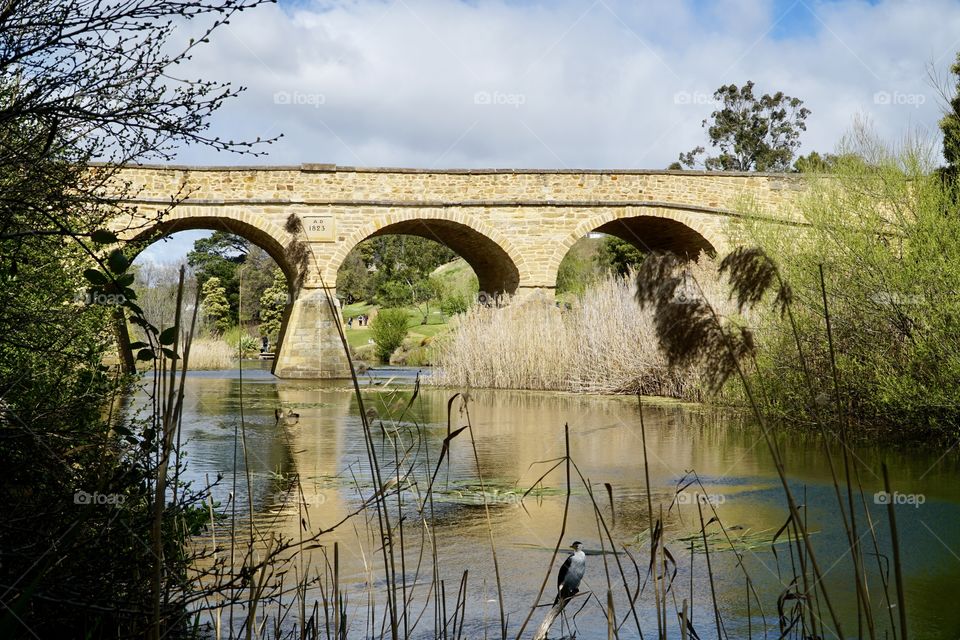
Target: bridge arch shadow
x: 489, y: 253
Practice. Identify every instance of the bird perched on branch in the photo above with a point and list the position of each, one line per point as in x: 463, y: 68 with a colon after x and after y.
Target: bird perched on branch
x: 568, y: 580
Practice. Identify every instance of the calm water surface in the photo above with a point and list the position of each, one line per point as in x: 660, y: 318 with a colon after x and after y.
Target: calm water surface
x: 515, y: 433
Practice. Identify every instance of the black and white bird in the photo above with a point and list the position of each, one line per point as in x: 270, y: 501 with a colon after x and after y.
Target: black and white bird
x: 568, y: 580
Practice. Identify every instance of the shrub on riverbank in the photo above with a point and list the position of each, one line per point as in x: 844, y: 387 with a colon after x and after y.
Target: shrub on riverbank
x: 885, y: 230
x: 604, y: 344
x: 388, y: 330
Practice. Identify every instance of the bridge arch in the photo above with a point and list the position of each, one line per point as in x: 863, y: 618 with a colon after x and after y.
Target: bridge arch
x: 651, y: 229
x: 497, y: 263
x: 250, y: 226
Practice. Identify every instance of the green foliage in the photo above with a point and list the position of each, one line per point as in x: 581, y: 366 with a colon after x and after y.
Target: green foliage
x: 813, y: 162
x: 244, y: 270
x: 272, y: 305
x: 388, y: 329
x: 215, y: 306
x: 618, y: 256
x: 891, y: 261
x: 354, y: 280
x: 580, y: 267
x: 454, y: 303
x: 751, y: 133
x: 391, y: 270
x: 89, y: 82
x: 950, y: 126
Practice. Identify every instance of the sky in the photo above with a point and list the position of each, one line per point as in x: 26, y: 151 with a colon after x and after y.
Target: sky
x: 560, y: 83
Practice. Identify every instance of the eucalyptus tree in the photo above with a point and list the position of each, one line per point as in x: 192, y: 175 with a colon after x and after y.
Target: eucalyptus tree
x: 750, y: 132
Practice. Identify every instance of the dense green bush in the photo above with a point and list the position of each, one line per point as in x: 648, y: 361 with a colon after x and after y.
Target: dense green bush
x: 885, y: 230
x: 453, y: 304
x: 389, y: 328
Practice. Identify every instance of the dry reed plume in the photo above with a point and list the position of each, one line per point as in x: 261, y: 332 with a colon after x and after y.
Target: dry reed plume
x: 605, y: 344
x: 212, y: 353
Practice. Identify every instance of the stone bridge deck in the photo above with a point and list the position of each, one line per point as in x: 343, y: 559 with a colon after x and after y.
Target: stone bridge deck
x: 512, y: 226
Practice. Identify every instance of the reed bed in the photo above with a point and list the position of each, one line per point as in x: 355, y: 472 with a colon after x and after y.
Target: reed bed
x: 603, y: 344
x: 212, y: 353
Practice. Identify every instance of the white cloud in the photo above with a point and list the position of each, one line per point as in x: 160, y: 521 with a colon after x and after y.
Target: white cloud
x: 559, y: 83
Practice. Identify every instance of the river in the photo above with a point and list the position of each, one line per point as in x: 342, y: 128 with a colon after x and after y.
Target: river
x: 515, y: 433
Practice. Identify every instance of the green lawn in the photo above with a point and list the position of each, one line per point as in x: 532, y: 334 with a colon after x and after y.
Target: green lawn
x: 358, y: 336
x: 458, y: 278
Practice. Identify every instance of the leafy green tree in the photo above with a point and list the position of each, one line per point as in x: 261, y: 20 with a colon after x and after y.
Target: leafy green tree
x: 215, y: 305
x: 219, y: 256
x: 254, y: 277
x: 453, y: 304
x: 813, y: 162
x: 244, y: 269
x: 751, y: 133
x: 272, y: 305
x: 399, y: 267
x: 618, y: 256
x: 354, y: 280
x: 388, y: 329
x: 891, y: 299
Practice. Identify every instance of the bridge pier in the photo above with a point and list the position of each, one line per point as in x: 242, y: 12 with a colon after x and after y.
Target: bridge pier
x: 310, y: 346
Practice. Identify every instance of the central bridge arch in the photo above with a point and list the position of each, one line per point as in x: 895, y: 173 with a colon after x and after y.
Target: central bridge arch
x: 491, y: 255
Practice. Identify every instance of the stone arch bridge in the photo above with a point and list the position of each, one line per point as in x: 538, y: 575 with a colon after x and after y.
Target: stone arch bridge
x: 512, y: 226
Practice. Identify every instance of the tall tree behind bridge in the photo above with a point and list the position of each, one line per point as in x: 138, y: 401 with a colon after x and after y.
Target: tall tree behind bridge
x: 244, y: 269
x: 751, y: 133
